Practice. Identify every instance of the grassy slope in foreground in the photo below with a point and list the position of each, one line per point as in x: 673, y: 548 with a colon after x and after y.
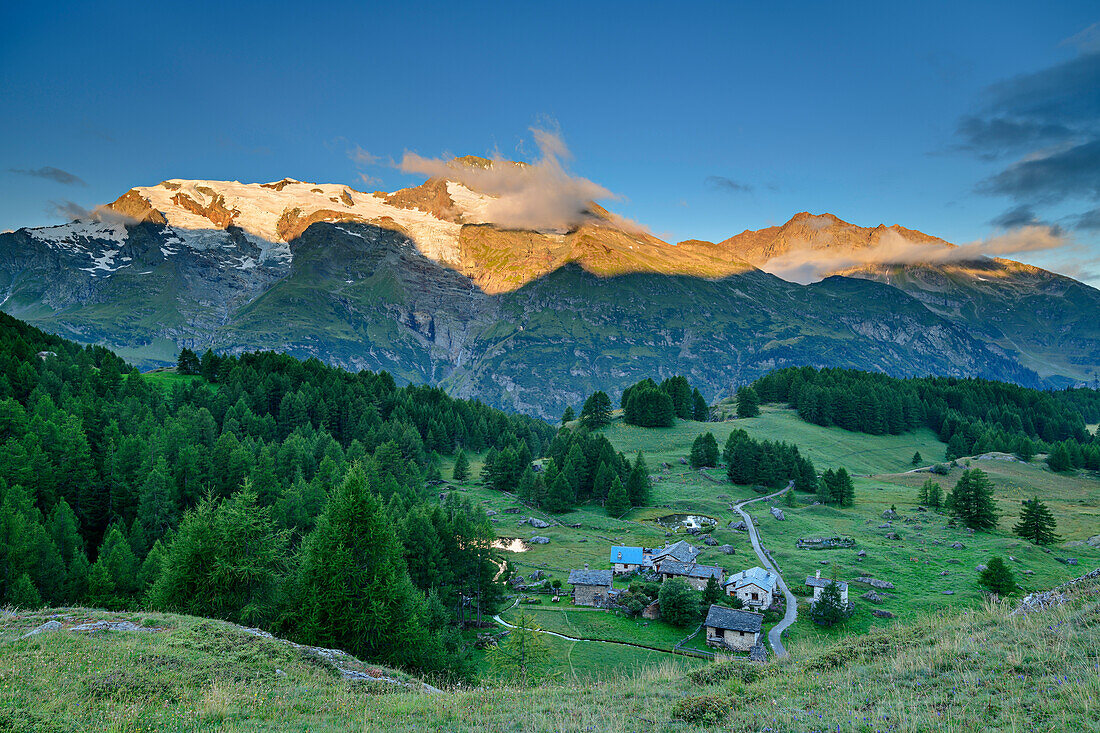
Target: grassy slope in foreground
x: 978, y: 670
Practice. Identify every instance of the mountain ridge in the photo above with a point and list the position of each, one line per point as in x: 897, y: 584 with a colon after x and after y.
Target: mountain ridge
x: 527, y: 319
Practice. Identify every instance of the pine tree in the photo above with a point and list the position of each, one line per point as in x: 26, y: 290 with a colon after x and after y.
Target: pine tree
x: 568, y: 416
x: 829, y: 609
x: 596, y: 411
x: 972, y: 500
x: 1036, y: 523
x: 917, y: 460
x: 1058, y: 459
x: 523, y: 654
x: 560, y: 495
x: 23, y: 595
x: 748, y: 403
x: 461, y: 470
x: 352, y: 588
x: 700, y: 410
x: 638, y: 485
x: 997, y: 578
x: 711, y: 594
x: 618, y: 503
x: 601, y: 485
x: 704, y: 451
x: 956, y: 447
x: 931, y: 495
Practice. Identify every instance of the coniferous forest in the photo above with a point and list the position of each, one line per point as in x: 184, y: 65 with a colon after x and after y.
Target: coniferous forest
x: 263, y: 490
x: 970, y: 415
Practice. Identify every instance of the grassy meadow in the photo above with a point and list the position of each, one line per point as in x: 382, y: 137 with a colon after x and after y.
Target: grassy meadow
x: 929, y: 576
x: 981, y: 669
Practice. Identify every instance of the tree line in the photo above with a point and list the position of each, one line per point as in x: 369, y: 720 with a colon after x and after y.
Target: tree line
x: 258, y: 488
x: 971, y: 415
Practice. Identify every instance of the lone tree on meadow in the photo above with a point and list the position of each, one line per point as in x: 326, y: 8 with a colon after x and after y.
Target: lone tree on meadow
x: 917, y: 460
x: 748, y: 402
x: 1036, y: 523
x: 461, y: 471
x: 997, y: 578
x: 972, y: 500
x: 596, y: 411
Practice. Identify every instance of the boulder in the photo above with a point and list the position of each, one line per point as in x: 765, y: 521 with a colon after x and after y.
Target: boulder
x: 739, y: 527
x: 538, y: 523
x: 512, y: 510
x: 958, y: 546
x: 576, y: 525
x: 727, y: 549
x: 876, y: 583
x: 1093, y: 541
x: 881, y: 613
x: 710, y: 541
x: 44, y: 629
x: 893, y: 536
x: 861, y: 553
x: 954, y: 560
x: 889, y: 514
x: 921, y: 509
x: 884, y: 526
x: 537, y: 575
x: 981, y: 568
x: 490, y: 513
x: 945, y: 572
x: 873, y: 597
x: 949, y: 592
x: 583, y: 539
x: 537, y: 540
x: 777, y: 513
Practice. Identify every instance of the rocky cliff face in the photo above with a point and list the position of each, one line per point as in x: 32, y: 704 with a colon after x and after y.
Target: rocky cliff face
x: 417, y: 284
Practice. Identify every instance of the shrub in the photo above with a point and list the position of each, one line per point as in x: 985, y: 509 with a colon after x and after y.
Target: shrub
x: 713, y: 674
x: 707, y: 709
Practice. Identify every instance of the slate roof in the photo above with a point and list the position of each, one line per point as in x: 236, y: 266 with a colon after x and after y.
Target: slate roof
x: 756, y: 576
x: 627, y: 555
x: 680, y: 551
x: 690, y: 570
x: 822, y: 582
x: 721, y: 617
x: 590, y: 577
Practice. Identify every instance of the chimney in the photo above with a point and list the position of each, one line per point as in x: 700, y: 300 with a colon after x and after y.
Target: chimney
x: 817, y: 575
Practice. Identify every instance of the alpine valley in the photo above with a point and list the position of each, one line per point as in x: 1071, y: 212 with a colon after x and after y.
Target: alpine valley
x: 417, y: 283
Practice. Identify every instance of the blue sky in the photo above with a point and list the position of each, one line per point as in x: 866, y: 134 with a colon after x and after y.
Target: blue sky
x: 929, y: 115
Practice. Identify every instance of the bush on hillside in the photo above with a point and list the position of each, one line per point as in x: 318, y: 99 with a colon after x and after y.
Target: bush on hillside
x: 705, y: 709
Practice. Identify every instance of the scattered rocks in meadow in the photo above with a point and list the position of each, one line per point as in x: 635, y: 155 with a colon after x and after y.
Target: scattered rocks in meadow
x: 536, y: 523
x: 873, y: 597
x: 954, y: 560
x: 710, y: 541
x: 1055, y: 596
x: 889, y: 514
x: 876, y: 583
x: 777, y: 513
x: 958, y: 546
x: 1028, y: 572
x: 861, y: 553
x: 893, y: 536
x: 537, y: 575
x: 882, y: 614
x: 512, y: 510
x: 739, y: 527
x: 539, y: 540
x: 726, y: 549
x: 884, y: 526
x: 576, y: 525
x: 45, y: 628
x: 1067, y: 560
x: 1093, y: 541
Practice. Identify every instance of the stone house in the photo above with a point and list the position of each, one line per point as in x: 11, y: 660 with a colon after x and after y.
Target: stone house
x: 729, y: 628
x: 818, y: 584
x: 755, y: 587
x: 590, y: 587
x: 626, y: 559
x: 680, y: 551
x: 695, y: 575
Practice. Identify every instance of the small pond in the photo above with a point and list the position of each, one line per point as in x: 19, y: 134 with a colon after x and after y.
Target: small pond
x: 687, y: 521
x: 510, y: 544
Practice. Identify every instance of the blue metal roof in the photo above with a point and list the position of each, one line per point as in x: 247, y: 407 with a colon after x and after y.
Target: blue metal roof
x: 627, y: 555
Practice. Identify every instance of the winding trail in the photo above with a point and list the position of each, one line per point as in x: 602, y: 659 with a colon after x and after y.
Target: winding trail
x: 775, y: 635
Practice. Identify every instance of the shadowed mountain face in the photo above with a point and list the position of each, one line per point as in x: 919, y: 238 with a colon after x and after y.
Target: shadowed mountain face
x: 417, y: 284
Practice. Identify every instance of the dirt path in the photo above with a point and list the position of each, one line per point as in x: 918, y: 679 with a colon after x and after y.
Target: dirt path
x: 776, y: 634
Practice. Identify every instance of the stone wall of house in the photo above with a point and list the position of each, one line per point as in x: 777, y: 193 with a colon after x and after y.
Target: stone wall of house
x: 763, y: 600
x: 738, y: 641
x: 589, y: 595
